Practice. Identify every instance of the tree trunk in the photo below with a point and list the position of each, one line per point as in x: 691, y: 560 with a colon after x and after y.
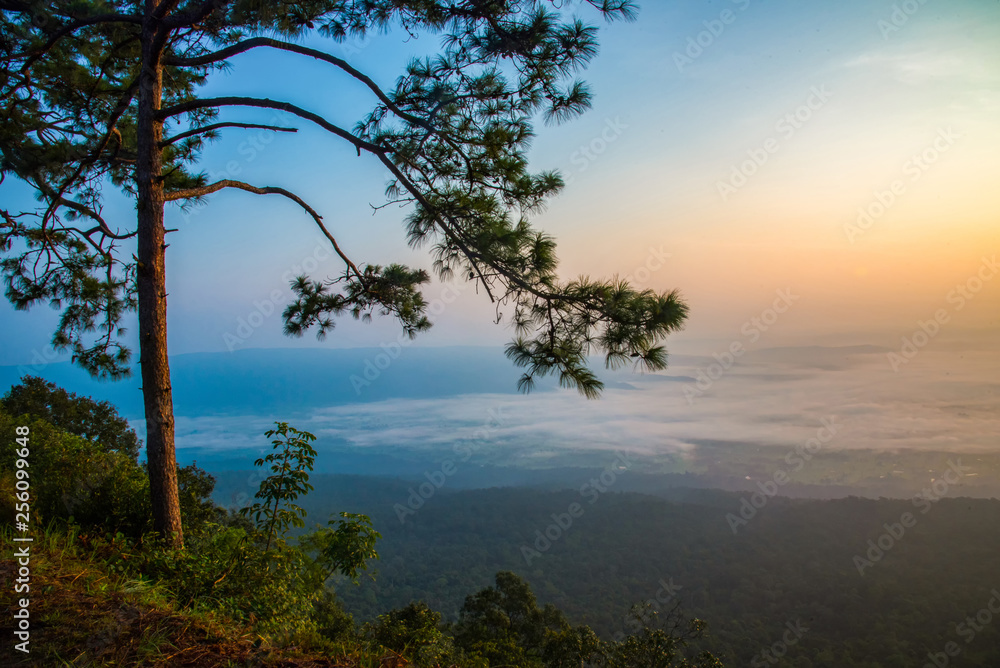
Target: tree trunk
x: 152, y: 294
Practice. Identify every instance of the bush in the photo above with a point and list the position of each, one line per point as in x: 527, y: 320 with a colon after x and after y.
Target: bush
x: 71, y: 478
x: 245, y: 567
x: 331, y: 621
x: 415, y: 632
x: 96, y: 421
x: 195, y: 487
x: 221, y: 568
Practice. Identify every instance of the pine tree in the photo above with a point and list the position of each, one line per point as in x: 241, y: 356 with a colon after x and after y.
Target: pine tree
x: 99, y: 95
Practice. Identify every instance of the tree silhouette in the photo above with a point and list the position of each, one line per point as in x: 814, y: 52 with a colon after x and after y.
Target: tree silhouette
x: 100, y: 95
x: 96, y: 421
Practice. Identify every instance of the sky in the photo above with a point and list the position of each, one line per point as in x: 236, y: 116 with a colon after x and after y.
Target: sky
x: 838, y: 158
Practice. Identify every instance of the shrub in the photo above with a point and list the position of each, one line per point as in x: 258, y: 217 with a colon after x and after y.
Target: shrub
x: 331, y: 621
x: 222, y: 568
x: 96, y: 421
x: 415, y: 632
x: 71, y: 478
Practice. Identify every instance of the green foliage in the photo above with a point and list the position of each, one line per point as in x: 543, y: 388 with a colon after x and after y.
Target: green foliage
x: 96, y: 421
x: 345, y: 549
x: 572, y: 647
x: 629, y: 325
x: 71, y: 477
x: 83, y: 463
x: 656, y: 643
x: 504, y: 625
x: 249, y: 571
x: 331, y: 621
x: 290, y: 464
x: 414, y: 632
x: 223, y: 569
x: 388, y: 291
x: 195, y: 486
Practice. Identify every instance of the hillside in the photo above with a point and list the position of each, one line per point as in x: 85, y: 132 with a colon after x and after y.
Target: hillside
x: 86, y: 614
x: 796, y: 560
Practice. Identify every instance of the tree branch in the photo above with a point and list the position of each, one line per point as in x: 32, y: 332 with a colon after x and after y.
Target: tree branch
x: 73, y: 27
x: 266, y: 190
x: 264, y: 103
x: 456, y: 237
x: 255, y: 42
x: 123, y: 103
x: 217, y: 126
x: 164, y: 8
x: 359, y: 144
x: 194, y: 16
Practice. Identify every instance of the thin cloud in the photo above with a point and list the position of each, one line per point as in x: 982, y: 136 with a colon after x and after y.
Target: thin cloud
x: 937, y: 402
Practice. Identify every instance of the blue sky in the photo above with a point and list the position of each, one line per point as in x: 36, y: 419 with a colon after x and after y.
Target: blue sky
x: 646, y: 171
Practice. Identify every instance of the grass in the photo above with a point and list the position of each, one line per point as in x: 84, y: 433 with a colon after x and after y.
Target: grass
x: 84, y: 614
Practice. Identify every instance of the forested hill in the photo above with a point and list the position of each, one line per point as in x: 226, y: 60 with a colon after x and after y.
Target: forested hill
x: 796, y: 564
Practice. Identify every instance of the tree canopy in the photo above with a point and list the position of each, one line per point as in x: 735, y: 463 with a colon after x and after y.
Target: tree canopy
x: 96, y: 421
x: 99, y: 96
x: 451, y: 133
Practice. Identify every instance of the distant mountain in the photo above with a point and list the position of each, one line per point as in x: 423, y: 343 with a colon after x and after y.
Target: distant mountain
x: 403, y: 412
x: 294, y: 380
x: 284, y: 380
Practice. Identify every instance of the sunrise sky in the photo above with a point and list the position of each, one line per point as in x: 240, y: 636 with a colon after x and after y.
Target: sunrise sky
x: 730, y: 148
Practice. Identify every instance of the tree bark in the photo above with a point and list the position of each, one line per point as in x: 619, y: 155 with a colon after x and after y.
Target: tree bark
x: 152, y: 293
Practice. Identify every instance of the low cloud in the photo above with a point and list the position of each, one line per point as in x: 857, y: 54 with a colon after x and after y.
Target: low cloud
x: 770, y: 397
